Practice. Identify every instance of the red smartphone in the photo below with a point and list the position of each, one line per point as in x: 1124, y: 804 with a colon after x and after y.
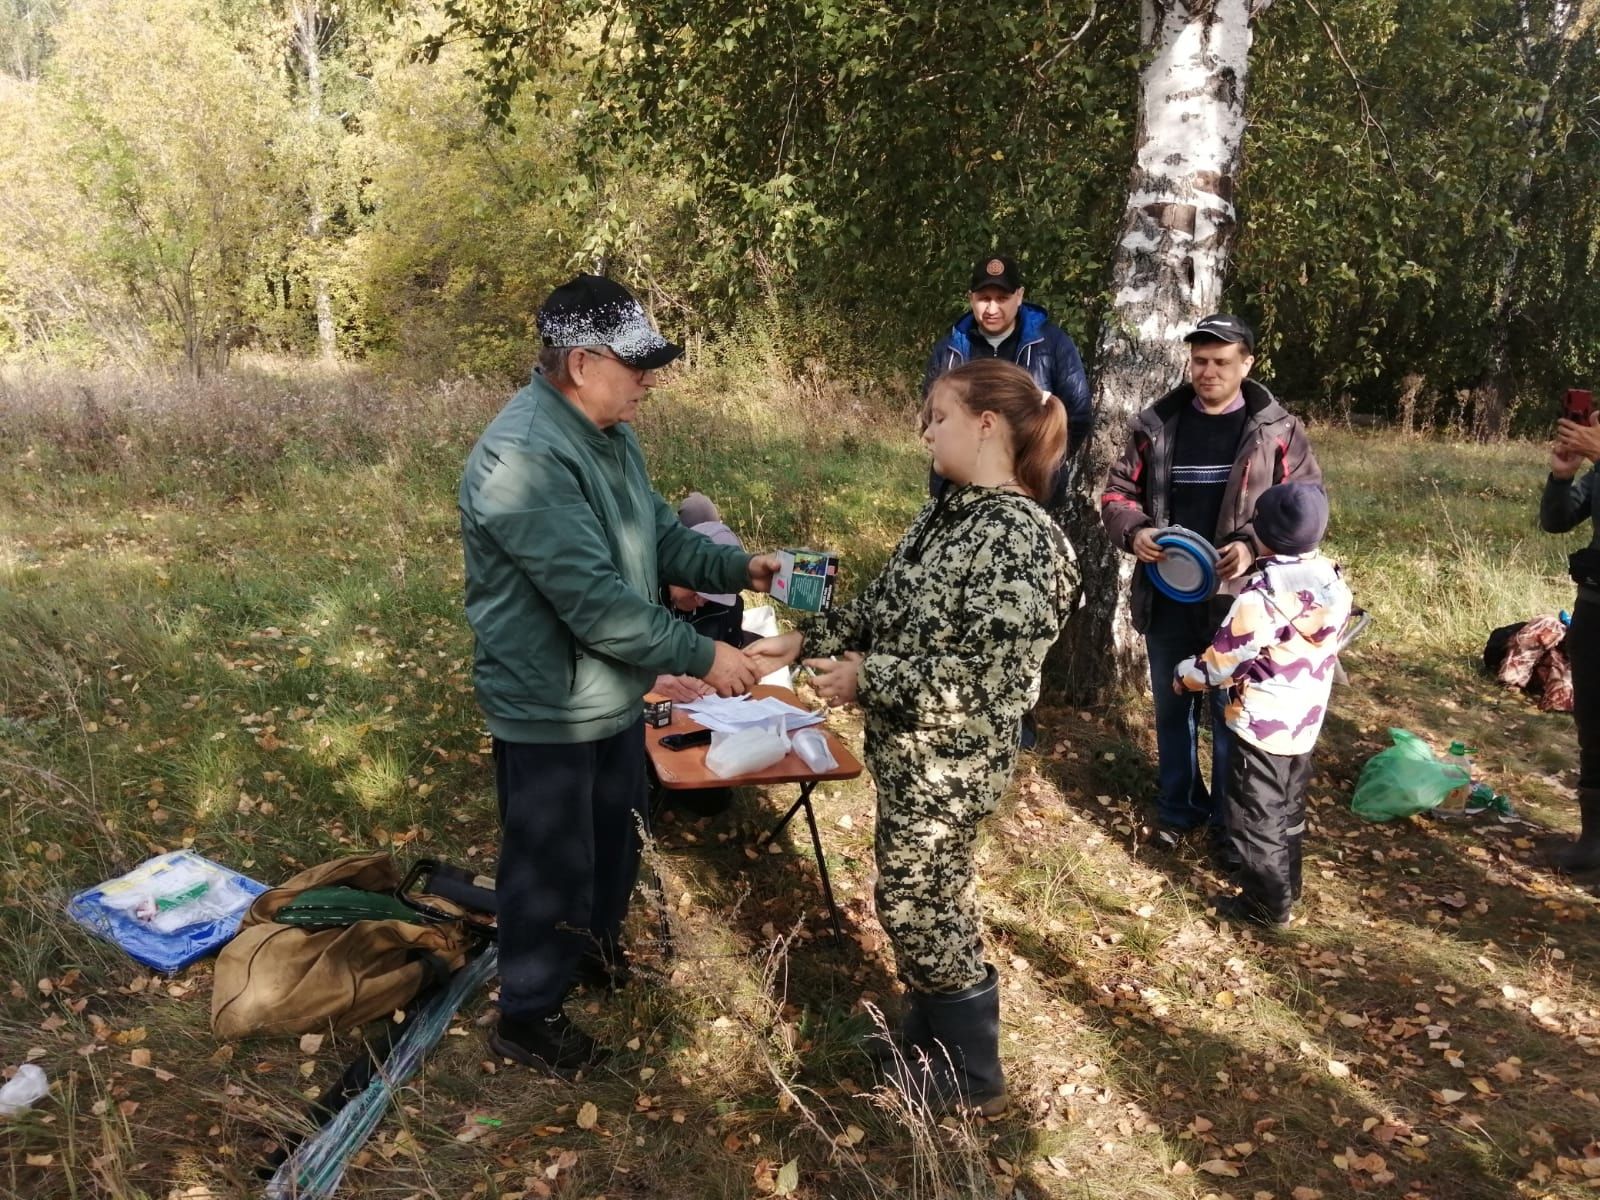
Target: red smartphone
x: 1578, y: 405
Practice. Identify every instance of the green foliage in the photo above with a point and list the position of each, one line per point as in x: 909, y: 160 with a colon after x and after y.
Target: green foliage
x: 469, y: 225
x: 27, y: 35
x: 1411, y: 170
x: 1420, y: 200
x: 847, y: 161
x: 154, y: 132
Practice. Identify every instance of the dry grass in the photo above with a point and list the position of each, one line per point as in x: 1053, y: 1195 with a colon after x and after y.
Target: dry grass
x: 230, y: 619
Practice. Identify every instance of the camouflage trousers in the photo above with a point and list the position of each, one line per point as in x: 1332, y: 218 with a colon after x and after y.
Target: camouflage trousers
x: 927, y: 892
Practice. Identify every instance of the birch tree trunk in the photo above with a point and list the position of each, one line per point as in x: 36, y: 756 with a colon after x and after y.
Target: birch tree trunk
x: 308, y: 44
x: 1168, y: 273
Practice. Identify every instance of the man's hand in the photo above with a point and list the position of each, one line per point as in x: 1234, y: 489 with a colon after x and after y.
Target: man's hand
x: 1564, y: 464
x: 835, y: 679
x: 679, y: 688
x: 763, y: 568
x: 1235, y: 559
x: 731, y: 673
x: 770, y: 653
x: 1145, y: 548
x: 1575, y: 440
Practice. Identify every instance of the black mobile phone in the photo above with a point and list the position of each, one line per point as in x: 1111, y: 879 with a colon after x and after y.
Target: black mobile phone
x: 1578, y: 405
x: 682, y: 741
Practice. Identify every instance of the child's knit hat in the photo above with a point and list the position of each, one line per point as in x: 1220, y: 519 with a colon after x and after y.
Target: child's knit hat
x: 1292, y: 517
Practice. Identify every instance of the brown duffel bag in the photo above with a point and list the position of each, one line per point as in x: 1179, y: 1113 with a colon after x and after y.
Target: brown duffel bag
x: 283, y: 979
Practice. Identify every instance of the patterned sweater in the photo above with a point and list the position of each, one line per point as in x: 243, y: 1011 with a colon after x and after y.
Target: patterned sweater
x: 1275, y: 653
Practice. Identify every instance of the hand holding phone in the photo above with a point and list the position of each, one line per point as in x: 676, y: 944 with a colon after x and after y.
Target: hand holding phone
x: 1578, y: 405
x: 682, y: 741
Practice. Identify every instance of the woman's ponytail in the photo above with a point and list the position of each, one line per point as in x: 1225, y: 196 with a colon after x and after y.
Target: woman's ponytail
x: 1037, y: 421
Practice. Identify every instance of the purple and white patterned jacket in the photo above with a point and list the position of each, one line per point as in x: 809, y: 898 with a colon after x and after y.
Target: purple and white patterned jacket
x: 1275, y: 652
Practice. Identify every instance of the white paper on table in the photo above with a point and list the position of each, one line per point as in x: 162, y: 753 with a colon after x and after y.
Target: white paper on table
x: 731, y: 714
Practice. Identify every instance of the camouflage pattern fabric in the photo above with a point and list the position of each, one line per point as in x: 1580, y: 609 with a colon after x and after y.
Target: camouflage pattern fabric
x: 955, y: 630
x: 1276, y: 652
x: 1536, y: 663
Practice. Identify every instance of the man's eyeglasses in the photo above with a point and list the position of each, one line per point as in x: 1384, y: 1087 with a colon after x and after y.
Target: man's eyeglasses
x: 606, y: 352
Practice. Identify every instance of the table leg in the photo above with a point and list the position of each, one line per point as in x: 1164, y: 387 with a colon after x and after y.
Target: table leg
x: 816, y: 844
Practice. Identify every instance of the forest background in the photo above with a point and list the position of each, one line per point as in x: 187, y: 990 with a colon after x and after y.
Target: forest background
x: 798, y: 185
x: 266, y: 269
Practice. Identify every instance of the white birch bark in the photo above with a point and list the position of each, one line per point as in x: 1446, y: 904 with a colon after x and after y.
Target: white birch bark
x: 308, y: 44
x: 1169, y: 267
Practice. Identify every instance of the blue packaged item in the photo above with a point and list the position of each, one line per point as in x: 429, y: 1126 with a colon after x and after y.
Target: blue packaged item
x: 168, y: 911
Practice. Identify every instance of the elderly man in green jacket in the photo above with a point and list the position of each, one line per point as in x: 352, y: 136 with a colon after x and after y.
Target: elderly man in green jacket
x: 567, y: 548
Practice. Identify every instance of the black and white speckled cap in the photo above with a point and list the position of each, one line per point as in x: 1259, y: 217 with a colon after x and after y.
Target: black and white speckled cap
x: 591, y: 310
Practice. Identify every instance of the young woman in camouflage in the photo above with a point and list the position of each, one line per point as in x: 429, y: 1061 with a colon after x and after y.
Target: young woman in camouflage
x: 942, y: 651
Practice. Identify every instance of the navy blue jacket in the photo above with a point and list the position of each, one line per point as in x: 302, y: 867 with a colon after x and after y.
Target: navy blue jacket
x: 1042, y: 349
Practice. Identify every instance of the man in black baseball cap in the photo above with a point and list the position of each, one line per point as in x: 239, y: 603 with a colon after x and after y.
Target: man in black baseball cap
x: 567, y: 548
x: 1001, y: 323
x: 1198, y: 458
x: 1223, y: 327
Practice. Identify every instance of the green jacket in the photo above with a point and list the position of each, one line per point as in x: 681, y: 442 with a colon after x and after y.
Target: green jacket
x: 567, y: 546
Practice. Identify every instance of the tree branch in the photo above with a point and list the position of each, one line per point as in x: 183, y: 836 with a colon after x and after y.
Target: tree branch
x: 1367, y: 118
x: 1074, y: 39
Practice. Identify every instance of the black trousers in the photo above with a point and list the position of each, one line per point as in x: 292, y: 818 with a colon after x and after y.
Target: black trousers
x: 1583, y: 650
x: 569, y: 856
x: 1265, y: 812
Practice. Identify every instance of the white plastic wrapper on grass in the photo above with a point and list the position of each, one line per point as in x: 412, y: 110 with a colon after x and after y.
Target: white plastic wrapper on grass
x: 23, y: 1090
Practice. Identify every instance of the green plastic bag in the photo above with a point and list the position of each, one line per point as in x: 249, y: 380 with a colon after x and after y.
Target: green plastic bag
x: 1405, y: 779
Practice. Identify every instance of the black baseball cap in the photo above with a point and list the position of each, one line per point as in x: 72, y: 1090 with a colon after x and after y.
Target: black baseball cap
x: 591, y: 310
x: 996, y: 270
x: 1222, y: 327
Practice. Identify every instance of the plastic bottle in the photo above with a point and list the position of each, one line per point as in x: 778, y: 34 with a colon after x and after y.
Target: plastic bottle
x: 1461, y: 755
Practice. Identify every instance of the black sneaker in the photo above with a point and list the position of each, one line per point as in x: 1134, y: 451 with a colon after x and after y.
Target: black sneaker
x: 1028, y: 733
x: 1237, y: 907
x: 550, y: 1043
x: 1168, y: 838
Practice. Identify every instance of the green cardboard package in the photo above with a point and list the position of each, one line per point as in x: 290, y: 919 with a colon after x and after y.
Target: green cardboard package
x: 807, y: 579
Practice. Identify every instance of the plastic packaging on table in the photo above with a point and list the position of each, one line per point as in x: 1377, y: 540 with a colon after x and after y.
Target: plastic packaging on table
x: 1405, y: 779
x: 812, y: 747
x: 23, y: 1090
x: 168, y: 911
x: 735, y: 754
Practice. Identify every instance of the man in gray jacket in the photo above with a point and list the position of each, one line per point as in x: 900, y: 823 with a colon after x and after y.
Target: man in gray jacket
x: 1198, y: 457
x: 567, y: 547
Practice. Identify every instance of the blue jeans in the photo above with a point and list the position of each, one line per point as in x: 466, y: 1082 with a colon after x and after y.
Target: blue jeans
x: 1182, y: 799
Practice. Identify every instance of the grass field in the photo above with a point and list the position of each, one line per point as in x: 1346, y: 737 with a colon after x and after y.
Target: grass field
x: 230, y: 619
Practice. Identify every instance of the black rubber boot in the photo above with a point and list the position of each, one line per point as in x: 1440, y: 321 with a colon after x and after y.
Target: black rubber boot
x: 1584, y: 854
x: 961, y: 1067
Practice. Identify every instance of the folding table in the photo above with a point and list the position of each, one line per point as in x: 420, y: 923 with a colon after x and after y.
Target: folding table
x: 685, y: 770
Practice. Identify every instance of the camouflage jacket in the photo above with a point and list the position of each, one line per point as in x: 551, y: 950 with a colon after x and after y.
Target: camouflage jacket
x: 956, y: 626
x: 1275, y: 653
